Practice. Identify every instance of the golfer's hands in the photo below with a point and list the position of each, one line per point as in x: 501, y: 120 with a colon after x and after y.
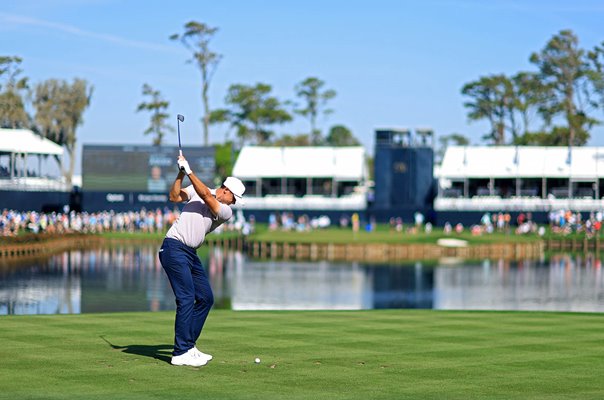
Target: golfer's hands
x: 183, y: 165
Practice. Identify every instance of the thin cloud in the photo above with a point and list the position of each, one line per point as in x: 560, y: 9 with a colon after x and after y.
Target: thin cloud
x: 542, y: 7
x: 75, y: 31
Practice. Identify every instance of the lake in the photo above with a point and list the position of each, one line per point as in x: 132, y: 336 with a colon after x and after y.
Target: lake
x: 130, y: 278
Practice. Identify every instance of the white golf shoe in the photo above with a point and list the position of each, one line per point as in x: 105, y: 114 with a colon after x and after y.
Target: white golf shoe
x: 190, y: 358
x: 201, y: 354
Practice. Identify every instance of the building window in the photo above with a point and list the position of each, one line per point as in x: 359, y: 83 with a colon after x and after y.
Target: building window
x: 346, y: 188
x: 250, y: 188
x: 584, y: 190
x: 504, y: 187
x: 296, y: 186
x: 479, y: 187
x: 454, y: 191
x: 271, y: 186
x: 557, y: 187
x: 322, y: 186
x: 531, y: 187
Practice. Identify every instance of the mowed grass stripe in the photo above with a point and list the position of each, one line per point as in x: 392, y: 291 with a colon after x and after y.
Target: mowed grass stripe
x: 307, y: 354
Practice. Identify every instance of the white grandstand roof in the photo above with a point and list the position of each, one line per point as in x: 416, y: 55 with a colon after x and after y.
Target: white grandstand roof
x: 340, y: 163
x: 25, y: 141
x: 522, y: 161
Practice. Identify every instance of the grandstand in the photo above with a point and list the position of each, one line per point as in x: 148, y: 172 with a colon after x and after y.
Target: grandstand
x: 520, y: 179
x: 303, y: 179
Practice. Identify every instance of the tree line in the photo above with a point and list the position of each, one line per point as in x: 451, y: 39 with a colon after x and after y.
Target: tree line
x: 557, y: 104
x: 251, y: 111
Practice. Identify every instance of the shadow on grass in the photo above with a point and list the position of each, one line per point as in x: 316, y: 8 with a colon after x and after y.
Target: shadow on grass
x: 162, y: 352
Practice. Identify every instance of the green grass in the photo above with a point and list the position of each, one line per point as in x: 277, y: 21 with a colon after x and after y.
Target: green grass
x: 392, y: 354
x: 383, y: 234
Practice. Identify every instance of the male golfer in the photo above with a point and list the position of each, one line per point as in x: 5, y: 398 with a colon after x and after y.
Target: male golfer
x: 203, y: 213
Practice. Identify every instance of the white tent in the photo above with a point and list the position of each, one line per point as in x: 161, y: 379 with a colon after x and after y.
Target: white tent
x: 522, y: 161
x: 18, y: 145
x: 528, y: 178
x: 23, y: 141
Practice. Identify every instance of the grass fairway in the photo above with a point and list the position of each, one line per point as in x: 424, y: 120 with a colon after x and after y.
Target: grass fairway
x: 392, y: 354
x: 383, y: 234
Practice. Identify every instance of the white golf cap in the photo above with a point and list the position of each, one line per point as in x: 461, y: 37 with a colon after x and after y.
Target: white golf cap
x: 236, y: 187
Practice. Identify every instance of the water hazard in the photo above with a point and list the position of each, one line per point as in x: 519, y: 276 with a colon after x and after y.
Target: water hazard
x: 130, y: 278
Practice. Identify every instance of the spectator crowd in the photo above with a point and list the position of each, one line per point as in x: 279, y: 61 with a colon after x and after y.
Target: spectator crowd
x: 14, y: 222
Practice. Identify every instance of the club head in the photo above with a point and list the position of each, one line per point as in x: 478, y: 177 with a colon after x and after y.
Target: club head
x: 181, y: 117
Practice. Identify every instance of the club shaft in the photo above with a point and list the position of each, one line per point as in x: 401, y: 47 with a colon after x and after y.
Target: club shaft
x: 179, y: 146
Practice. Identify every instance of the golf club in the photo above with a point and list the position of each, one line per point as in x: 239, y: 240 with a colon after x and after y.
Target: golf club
x: 180, y: 118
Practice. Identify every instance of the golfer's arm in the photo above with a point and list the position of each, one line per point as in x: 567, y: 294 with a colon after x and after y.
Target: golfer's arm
x: 178, y: 195
x: 204, y: 192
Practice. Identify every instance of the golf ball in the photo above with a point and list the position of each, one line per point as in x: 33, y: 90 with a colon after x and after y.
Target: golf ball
x: 257, y: 360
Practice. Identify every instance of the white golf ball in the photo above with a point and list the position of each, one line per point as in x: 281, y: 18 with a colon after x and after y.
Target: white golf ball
x: 257, y: 360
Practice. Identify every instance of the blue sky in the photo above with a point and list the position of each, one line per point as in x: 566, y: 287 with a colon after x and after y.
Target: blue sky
x: 392, y: 63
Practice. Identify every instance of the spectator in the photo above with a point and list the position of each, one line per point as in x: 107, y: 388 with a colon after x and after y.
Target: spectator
x: 355, y: 223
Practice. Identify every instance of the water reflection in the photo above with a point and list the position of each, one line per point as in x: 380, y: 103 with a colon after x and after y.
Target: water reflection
x: 560, y: 284
x: 290, y: 285
x: 40, y: 290
x: 106, y: 279
x: 298, y: 286
x: 130, y: 278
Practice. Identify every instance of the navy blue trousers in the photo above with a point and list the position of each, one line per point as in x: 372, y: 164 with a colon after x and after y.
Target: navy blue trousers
x: 192, y: 290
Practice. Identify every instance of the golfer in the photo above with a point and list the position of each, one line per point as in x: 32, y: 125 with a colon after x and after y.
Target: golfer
x: 203, y: 212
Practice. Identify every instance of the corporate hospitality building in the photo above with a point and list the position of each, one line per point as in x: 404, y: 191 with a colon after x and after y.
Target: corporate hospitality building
x: 475, y: 179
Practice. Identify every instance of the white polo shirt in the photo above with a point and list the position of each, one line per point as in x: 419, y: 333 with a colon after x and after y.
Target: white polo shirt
x: 196, y: 220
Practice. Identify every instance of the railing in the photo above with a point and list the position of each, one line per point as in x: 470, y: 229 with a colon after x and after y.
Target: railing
x: 34, y: 184
x: 490, y: 203
x: 45, y: 247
